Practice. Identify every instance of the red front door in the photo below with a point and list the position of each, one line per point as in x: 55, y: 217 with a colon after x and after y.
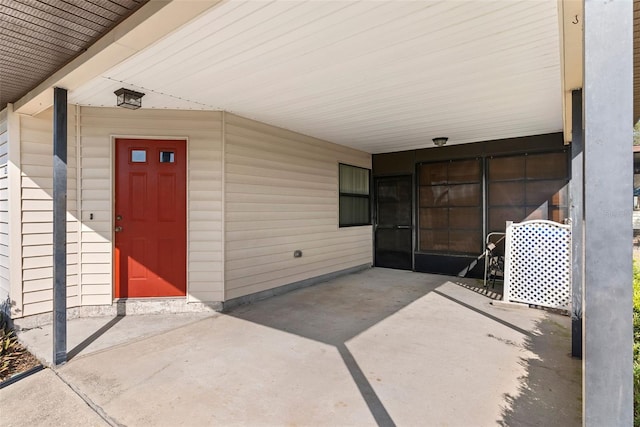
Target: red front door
x: 150, y: 218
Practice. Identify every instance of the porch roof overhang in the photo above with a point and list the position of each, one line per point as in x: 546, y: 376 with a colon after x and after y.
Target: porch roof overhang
x: 38, y: 37
x: 378, y: 76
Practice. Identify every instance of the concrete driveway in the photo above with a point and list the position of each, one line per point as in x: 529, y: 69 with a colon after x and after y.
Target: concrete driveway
x: 381, y: 347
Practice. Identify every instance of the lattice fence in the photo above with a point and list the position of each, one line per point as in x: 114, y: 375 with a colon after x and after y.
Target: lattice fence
x: 538, y: 264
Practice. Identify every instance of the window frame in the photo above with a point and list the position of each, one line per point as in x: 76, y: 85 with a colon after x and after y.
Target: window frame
x: 354, y: 195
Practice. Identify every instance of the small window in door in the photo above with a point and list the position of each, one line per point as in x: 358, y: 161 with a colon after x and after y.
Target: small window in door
x: 167, y: 157
x: 138, y: 156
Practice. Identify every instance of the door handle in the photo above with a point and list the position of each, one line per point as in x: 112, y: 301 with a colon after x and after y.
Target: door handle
x: 403, y: 227
x: 118, y: 229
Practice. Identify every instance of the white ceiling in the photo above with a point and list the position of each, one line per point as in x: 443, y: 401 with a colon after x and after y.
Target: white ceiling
x: 380, y: 76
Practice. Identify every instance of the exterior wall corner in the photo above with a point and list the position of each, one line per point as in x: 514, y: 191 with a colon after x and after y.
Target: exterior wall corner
x: 14, y: 211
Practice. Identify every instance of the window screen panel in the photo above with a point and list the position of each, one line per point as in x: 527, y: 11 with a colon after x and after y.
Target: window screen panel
x: 547, y: 166
x: 507, y: 194
x: 559, y: 214
x: 539, y: 192
x: 465, y: 218
x: 506, y: 168
x: 354, y: 210
x: 394, y: 201
x: 561, y: 197
x: 499, y: 216
x: 551, y: 213
x: 465, y: 241
x: 434, y: 218
x: 436, y: 195
x: 527, y: 187
x: 354, y: 198
x: 389, y: 193
x: 395, y: 214
x: 464, y: 171
x: 354, y: 180
x: 393, y: 240
x: 450, y: 200
x: 541, y: 212
x: 434, y: 240
x: 433, y: 174
x: 465, y: 195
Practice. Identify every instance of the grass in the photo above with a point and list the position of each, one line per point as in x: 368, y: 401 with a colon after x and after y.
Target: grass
x: 636, y: 344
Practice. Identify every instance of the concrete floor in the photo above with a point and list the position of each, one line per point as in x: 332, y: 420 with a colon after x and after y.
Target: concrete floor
x: 379, y: 347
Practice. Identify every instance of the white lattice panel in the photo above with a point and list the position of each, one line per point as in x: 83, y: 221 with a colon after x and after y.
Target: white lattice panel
x: 538, y: 264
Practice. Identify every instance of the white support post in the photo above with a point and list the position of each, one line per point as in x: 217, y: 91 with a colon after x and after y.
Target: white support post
x: 608, y: 180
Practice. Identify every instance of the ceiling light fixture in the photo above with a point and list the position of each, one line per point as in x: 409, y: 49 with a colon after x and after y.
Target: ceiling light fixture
x: 440, y: 141
x: 130, y: 99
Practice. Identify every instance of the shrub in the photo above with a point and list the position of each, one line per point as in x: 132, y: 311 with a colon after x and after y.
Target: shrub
x: 10, y: 348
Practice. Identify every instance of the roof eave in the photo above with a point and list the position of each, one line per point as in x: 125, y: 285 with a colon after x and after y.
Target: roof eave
x: 151, y: 22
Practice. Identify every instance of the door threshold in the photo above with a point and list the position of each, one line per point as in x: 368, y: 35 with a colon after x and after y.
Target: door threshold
x: 162, y: 305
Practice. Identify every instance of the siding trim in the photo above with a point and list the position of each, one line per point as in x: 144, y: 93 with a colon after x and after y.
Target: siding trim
x: 223, y: 141
x: 5, y: 280
x: 187, y: 248
x: 15, y: 212
x: 79, y: 201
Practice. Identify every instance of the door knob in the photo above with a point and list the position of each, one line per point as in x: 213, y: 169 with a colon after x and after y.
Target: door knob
x: 118, y: 229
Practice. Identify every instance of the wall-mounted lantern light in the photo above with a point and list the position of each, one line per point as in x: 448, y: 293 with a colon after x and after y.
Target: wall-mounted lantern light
x: 440, y: 141
x: 130, y: 99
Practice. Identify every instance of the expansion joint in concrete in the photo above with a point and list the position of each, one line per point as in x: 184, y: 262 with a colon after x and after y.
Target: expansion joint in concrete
x: 90, y: 403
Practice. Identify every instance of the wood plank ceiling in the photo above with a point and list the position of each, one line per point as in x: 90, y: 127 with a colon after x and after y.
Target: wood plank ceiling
x: 38, y: 37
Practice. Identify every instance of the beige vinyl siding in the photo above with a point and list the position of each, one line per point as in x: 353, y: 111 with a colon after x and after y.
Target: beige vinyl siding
x: 36, y: 154
x: 4, y: 210
x: 202, y: 130
x: 281, y: 194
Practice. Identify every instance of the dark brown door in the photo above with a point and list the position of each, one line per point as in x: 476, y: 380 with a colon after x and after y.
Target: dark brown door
x: 393, y: 227
x: 150, y: 222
